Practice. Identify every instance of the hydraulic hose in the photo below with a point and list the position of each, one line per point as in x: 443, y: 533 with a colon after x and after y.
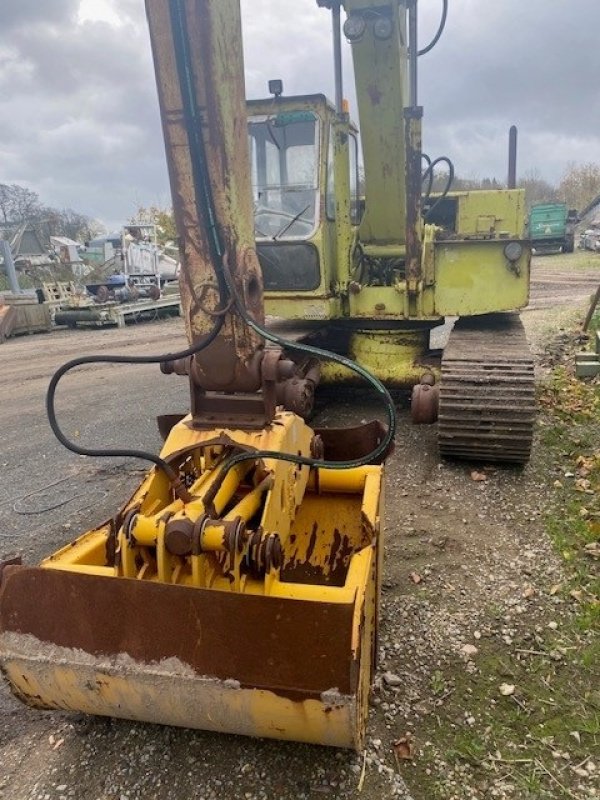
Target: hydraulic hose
x: 111, y: 359
x: 427, y: 174
x: 449, y: 182
x: 440, y: 30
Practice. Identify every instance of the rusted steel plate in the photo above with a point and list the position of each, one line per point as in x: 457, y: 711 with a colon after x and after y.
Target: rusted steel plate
x: 344, y: 444
x: 295, y: 648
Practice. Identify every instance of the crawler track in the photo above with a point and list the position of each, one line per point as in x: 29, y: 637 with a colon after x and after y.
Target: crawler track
x: 487, y: 391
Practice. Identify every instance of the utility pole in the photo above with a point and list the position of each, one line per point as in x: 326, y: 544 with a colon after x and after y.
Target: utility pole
x: 9, y: 266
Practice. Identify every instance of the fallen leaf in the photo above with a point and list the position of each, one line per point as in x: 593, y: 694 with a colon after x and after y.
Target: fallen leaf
x: 415, y: 577
x: 507, y: 689
x: 528, y: 592
x: 478, y: 476
x: 580, y: 772
x: 592, y: 549
x: 404, y: 748
x: 555, y: 589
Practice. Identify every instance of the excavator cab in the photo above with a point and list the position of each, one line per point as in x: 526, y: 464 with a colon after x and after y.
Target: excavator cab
x: 292, y: 151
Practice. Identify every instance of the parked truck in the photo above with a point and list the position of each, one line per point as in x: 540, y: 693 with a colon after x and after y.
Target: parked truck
x: 552, y: 227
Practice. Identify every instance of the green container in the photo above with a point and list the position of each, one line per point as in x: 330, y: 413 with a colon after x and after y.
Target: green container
x: 549, y: 228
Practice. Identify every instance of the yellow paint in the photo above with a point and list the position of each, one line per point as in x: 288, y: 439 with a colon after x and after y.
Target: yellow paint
x: 476, y: 278
x: 328, y: 523
x: 147, y: 693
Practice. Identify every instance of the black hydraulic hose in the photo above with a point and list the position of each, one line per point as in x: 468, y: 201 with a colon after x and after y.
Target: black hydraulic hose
x: 440, y: 30
x: 194, y: 125
x: 171, y: 473
x: 429, y: 171
x: 111, y: 359
x: 449, y: 182
x: 427, y: 174
x: 379, y: 387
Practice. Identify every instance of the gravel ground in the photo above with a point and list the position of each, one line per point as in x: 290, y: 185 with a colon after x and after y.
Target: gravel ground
x: 455, y: 547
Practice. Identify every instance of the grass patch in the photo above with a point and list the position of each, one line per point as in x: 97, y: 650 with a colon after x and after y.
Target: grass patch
x: 579, y: 260
x: 525, y: 722
x: 524, y: 745
x: 572, y: 436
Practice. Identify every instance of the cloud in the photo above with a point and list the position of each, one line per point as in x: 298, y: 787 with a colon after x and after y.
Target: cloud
x: 529, y: 64
x: 80, y: 115
x: 24, y: 13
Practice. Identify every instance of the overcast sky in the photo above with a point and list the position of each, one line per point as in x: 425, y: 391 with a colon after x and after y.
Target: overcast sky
x: 79, y: 117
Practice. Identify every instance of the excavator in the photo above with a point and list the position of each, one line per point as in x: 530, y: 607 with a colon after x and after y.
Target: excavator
x: 238, y: 589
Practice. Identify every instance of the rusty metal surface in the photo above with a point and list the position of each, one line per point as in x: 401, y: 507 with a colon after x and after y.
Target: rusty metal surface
x: 414, y: 188
x: 332, y: 572
x: 218, y: 634
x: 424, y: 405
x: 9, y: 561
x: 216, y: 92
x: 344, y: 444
x: 487, y: 391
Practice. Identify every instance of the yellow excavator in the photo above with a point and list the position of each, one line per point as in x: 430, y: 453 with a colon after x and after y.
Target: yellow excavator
x: 238, y: 589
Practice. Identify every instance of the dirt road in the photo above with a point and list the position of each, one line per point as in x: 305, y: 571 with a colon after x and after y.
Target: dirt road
x: 554, y: 286
x: 455, y: 549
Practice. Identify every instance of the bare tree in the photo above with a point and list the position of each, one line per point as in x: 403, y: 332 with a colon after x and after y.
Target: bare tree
x: 580, y: 184
x: 17, y: 204
x: 537, y: 189
x: 67, y: 222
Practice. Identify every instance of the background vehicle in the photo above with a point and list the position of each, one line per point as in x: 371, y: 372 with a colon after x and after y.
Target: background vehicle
x: 552, y: 227
x: 590, y: 239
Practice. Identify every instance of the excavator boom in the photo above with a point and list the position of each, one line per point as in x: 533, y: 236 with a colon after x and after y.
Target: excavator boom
x: 198, y: 58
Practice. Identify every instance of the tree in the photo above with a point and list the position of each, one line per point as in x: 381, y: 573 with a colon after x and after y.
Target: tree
x: 537, y: 189
x: 580, y: 184
x: 17, y: 204
x: 164, y: 220
x: 67, y: 222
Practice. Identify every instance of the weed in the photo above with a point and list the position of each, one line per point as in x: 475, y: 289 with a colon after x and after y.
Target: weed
x: 437, y: 682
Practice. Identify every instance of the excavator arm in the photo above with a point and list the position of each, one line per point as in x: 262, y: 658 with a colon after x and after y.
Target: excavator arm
x: 198, y: 59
